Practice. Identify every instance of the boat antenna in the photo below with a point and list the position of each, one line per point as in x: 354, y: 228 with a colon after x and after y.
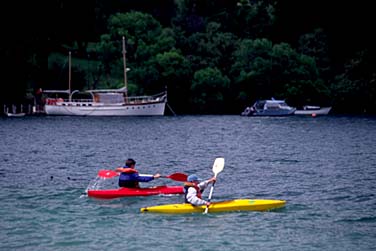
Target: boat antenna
x: 69, y: 78
x: 125, y: 69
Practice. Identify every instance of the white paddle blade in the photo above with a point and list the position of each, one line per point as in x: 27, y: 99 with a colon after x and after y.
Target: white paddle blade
x: 218, y: 165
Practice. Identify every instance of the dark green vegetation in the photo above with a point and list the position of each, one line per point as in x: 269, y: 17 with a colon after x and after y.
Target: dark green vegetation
x: 213, y: 56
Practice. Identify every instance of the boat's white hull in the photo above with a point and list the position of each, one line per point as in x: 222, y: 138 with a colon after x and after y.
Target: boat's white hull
x: 92, y: 109
x: 281, y: 112
x: 15, y: 114
x: 321, y: 111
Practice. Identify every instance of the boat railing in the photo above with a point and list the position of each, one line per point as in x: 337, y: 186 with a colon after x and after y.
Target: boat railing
x: 72, y: 100
x: 153, y: 98
x: 80, y: 100
x: 55, y: 101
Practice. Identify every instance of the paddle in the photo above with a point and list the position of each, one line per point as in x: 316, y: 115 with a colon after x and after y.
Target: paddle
x: 111, y: 173
x: 218, y: 166
x: 107, y: 174
x: 177, y: 177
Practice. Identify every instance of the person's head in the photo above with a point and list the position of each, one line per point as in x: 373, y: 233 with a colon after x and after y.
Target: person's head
x: 193, y: 178
x: 130, y: 163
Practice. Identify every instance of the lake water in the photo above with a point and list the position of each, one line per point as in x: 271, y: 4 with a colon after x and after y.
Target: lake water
x: 324, y: 167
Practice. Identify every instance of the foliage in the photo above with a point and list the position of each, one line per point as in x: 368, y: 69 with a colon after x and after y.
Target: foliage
x: 355, y: 89
x: 208, y: 90
x: 254, y: 19
x: 214, y: 56
x: 144, y: 40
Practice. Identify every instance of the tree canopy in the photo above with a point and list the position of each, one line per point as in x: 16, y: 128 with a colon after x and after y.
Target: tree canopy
x: 212, y: 56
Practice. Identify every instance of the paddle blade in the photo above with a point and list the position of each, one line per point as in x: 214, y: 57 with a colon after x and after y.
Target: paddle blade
x: 107, y: 174
x: 178, y: 176
x: 218, y: 165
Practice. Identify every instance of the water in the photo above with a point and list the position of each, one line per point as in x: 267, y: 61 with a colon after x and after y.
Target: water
x: 325, y: 167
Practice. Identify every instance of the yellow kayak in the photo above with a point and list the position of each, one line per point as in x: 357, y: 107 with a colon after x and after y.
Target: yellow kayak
x: 215, y: 207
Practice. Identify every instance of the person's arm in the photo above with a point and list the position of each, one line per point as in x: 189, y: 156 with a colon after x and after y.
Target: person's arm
x: 203, y: 185
x: 193, y: 199
x: 120, y: 169
x: 137, y: 176
x: 147, y: 177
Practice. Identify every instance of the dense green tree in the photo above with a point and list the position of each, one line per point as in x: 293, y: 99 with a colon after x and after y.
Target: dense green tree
x: 251, y: 70
x: 208, y: 90
x: 141, y: 31
x: 315, y: 45
x: 296, y: 76
x: 188, y: 19
x: 145, y: 38
x: 175, y: 74
x: 262, y: 70
x: 212, y: 48
x: 253, y: 19
x: 315, y: 52
x: 355, y: 89
x: 107, y: 53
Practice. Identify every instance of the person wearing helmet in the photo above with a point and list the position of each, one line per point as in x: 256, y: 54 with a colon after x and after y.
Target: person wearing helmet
x: 129, y: 176
x: 193, y: 190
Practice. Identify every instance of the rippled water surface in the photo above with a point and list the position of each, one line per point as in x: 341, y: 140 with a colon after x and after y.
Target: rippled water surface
x: 324, y: 167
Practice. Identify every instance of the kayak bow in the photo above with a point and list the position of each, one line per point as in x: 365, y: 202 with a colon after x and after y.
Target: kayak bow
x: 215, y: 207
x: 128, y: 192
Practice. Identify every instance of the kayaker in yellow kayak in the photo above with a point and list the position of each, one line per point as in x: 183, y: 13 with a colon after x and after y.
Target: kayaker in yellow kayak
x: 193, y: 190
x: 129, y: 176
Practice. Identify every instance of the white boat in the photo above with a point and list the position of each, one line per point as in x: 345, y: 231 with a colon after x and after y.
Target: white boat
x: 105, y: 102
x: 271, y: 107
x: 9, y: 114
x: 313, y: 110
x: 14, y: 112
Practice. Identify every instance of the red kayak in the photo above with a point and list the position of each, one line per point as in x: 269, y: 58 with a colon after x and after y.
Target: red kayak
x: 128, y: 192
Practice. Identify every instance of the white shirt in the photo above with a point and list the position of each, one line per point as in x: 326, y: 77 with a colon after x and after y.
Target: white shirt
x: 192, y: 194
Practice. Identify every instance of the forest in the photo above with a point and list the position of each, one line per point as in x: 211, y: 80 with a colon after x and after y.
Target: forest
x: 214, y: 57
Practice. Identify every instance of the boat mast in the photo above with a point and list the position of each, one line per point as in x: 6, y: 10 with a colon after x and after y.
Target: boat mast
x: 125, y: 70
x: 69, y: 78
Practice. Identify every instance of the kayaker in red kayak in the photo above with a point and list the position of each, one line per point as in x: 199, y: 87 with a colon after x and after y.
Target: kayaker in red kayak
x: 193, y: 190
x: 129, y: 176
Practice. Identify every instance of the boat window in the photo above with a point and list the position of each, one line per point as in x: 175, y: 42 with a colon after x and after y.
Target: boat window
x: 110, y: 98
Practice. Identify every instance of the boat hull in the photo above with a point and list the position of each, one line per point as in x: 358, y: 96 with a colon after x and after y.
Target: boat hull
x: 275, y: 113
x: 216, y: 207
x: 131, y: 192
x: 15, y: 114
x: 88, y: 109
x: 321, y: 111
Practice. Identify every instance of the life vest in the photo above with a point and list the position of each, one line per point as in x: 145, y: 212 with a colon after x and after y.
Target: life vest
x: 51, y: 101
x: 187, y: 185
x: 124, y: 178
x: 129, y: 170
